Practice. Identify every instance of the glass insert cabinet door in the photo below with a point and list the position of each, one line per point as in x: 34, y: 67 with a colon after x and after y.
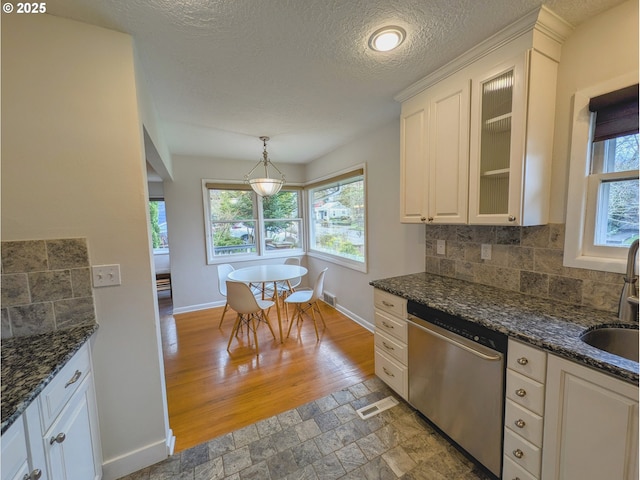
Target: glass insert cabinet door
x: 496, y: 153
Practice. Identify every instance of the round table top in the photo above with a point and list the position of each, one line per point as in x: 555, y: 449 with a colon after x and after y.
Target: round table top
x: 267, y: 273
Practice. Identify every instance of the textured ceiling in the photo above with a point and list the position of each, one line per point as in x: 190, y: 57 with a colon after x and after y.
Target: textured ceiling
x: 223, y: 72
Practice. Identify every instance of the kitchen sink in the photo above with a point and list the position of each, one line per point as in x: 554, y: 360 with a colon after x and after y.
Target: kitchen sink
x: 616, y: 339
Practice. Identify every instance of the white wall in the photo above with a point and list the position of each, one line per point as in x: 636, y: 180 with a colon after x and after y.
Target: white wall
x: 393, y: 248
x: 602, y: 48
x: 73, y: 166
x: 195, y: 284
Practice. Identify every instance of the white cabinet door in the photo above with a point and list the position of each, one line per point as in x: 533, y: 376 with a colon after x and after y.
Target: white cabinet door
x: 590, y: 425
x: 71, y: 444
x: 413, y: 160
x: 15, y: 461
x: 448, y: 150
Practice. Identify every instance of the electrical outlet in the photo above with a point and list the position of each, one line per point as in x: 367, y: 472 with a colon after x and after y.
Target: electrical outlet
x: 440, y: 247
x: 485, y: 251
x: 106, y: 275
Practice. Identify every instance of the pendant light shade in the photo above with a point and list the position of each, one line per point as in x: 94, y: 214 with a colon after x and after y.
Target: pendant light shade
x: 265, y: 186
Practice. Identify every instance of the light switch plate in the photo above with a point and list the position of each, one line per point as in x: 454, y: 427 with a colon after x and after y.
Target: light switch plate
x: 485, y: 251
x: 440, y: 247
x: 105, y: 275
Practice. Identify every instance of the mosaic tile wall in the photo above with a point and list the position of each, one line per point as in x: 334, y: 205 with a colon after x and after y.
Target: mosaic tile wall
x: 523, y: 259
x: 46, y: 286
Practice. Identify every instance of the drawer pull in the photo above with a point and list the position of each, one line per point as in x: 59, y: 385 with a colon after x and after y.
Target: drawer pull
x: 35, y: 475
x: 523, y: 361
x: 74, y: 379
x: 61, y: 437
x: 384, y: 344
x: 521, y: 392
x: 519, y: 423
x: 387, y: 304
x: 388, y: 372
x: 386, y: 325
x: 518, y: 453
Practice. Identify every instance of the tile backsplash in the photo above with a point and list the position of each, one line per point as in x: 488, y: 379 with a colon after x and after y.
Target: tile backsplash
x: 46, y: 286
x: 523, y: 259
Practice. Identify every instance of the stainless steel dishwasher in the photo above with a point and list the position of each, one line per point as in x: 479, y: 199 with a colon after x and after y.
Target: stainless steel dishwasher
x: 456, y: 380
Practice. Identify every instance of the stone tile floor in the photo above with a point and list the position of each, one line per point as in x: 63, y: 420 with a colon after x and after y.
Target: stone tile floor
x: 324, y: 440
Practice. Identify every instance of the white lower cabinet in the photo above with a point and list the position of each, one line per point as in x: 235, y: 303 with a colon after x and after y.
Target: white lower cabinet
x: 390, y: 340
x: 591, y: 424
x: 57, y: 437
x: 15, y: 457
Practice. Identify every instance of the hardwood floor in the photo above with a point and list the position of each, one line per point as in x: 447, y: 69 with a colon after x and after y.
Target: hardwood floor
x: 211, y: 392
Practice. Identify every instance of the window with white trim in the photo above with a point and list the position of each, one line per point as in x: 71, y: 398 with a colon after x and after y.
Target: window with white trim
x: 241, y: 225
x: 604, y: 181
x: 337, y: 219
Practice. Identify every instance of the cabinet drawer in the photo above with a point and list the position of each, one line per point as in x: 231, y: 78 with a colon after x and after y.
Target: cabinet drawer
x: 390, y: 303
x: 512, y: 471
x: 523, y: 422
x: 14, y: 451
x: 392, y: 373
x: 525, y: 392
x: 523, y: 453
x: 527, y: 360
x: 391, y: 326
x: 391, y: 347
x: 55, y: 395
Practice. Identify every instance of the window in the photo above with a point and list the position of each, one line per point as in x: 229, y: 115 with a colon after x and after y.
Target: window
x: 337, y: 219
x: 159, y: 236
x: 602, y: 207
x: 239, y: 223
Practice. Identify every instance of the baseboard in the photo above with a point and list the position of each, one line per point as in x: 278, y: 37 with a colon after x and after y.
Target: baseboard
x: 137, y: 460
x: 352, y: 316
x: 202, y: 306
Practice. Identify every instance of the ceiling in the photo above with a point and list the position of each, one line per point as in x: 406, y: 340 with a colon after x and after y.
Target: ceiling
x: 224, y: 72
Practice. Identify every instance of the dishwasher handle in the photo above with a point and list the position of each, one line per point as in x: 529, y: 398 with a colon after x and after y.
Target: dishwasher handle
x: 449, y: 339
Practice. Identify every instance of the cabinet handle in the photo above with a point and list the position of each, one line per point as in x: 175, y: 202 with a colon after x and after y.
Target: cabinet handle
x: 35, y: 475
x: 430, y: 219
x: 384, y: 344
x: 423, y: 219
x: 74, y: 379
x: 61, y: 437
x: 385, y: 324
x: 512, y: 218
x: 521, y: 392
x: 520, y: 423
x: 518, y: 453
x: 388, y: 372
x: 387, y: 304
x: 523, y: 361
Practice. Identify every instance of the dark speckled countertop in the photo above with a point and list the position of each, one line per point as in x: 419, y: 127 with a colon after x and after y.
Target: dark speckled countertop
x: 30, y: 363
x: 554, y: 327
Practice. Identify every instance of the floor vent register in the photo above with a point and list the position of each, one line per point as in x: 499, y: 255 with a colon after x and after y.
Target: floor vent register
x: 377, y: 407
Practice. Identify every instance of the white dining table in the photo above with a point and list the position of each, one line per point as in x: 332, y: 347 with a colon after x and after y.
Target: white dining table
x: 269, y: 274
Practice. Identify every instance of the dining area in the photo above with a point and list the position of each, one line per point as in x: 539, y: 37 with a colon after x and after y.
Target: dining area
x: 252, y: 292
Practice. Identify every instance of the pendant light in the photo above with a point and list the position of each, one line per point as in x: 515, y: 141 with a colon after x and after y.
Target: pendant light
x: 265, y: 186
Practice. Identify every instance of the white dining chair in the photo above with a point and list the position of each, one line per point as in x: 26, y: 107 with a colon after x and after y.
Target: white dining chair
x: 224, y: 269
x: 250, y: 311
x: 305, y: 300
x: 286, y: 288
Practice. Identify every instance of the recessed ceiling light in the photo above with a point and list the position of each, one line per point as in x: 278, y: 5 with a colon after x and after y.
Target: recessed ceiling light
x: 386, y: 38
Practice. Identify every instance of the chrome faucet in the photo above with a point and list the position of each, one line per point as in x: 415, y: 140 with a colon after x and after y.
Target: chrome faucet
x: 628, y: 309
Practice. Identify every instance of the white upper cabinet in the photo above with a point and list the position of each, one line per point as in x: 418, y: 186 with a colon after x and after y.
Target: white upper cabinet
x: 477, y: 135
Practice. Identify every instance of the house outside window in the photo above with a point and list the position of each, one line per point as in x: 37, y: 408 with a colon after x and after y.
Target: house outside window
x: 602, y: 205
x: 337, y: 219
x: 241, y: 225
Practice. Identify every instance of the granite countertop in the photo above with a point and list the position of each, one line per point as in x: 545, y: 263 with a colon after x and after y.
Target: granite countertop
x: 30, y: 363
x: 552, y: 326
